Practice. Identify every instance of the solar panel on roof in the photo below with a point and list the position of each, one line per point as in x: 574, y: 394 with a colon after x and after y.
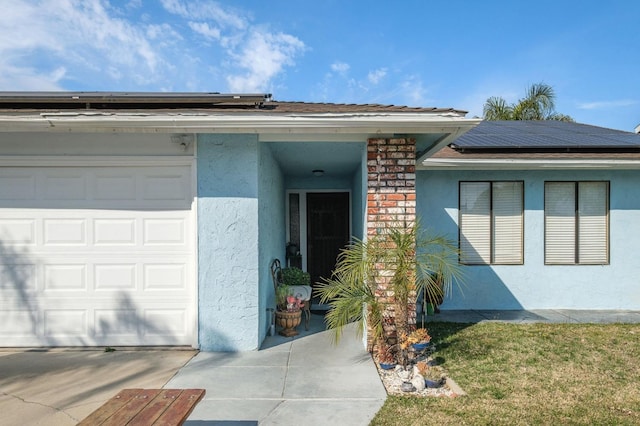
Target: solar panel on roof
x: 544, y: 135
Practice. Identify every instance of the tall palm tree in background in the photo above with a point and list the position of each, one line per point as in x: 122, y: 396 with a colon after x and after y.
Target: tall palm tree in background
x: 538, y: 104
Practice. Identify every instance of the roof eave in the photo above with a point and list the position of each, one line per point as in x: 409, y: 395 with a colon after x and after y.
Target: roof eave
x: 175, y: 122
x: 526, y: 164
x: 448, y: 139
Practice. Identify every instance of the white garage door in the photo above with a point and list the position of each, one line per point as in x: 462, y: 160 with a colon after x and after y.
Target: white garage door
x: 96, y: 256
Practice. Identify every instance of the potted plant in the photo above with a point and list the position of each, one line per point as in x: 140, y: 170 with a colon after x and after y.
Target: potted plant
x: 288, y: 311
x: 295, y: 276
x: 386, y: 359
x: 419, y: 339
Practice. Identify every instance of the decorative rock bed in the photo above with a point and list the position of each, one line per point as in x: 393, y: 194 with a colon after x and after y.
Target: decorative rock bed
x: 422, y: 378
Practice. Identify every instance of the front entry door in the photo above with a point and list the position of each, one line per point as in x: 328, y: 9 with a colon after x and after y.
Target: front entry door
x: 327, y: 231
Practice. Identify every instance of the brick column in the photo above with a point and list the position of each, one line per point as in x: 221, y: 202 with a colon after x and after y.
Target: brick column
x: 391, y: 202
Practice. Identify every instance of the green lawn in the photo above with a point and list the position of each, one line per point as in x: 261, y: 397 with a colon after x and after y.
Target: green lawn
x: 522, y: 374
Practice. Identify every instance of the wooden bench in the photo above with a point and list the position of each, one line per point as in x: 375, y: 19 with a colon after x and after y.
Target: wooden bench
x: 168, y: 407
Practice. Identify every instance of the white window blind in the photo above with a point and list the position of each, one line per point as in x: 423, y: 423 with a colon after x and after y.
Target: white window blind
x: 507, y: 222
x: 592, y: 223
x: 576, y: 222
x: 560, y: 222
x: 475, y: 222
x: 491, y: 222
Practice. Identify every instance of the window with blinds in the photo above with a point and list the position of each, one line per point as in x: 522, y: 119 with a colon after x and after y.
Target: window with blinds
x: 491, y: 222
x: 576, y: 223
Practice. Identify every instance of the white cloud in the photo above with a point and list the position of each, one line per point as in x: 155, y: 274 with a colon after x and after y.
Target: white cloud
x: 163, y: 33
x: 376, y: 76
x: 130, y: 48
x: 27, y: 78
x: 340, y: 67
x: 412, y: 91
x: 205, y: 30
x: 206, y: 10
x: 607, y: 104
x: 79, y: 35
x: 263, y: 56
x: 134, y: 4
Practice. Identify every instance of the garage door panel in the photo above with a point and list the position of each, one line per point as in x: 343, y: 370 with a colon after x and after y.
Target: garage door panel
x: 114, y: 232
x: 66, y: 323
x: 54, y: 230
x: 109, y: 260
x: 114, y: 187
x: 17, y: 231
x: 17, y: 278
x: 116, y: 322
x: 65, y: 231
x: 18, y: 323
x: 165, y: 188
x: 165, y: 231
x: 17, y: 185
x: 165, y: 322
x: 115, y: 276
x: 64, y: 185
x: 65, y: 278
x: 165, y: 277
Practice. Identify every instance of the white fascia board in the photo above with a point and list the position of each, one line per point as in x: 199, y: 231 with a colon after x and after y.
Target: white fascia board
x: 517, y: 164
x: 328, y: 124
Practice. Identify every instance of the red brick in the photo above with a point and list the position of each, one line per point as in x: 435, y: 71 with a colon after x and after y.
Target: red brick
x: 388, y: 176
x: 395, y: 197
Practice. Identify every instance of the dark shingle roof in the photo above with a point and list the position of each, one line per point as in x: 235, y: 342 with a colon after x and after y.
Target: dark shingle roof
x: 313, y: 107
x: 544, y: 135
x: 207, y: 101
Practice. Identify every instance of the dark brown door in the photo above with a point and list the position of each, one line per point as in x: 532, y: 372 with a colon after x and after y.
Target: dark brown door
x: 327, y: 231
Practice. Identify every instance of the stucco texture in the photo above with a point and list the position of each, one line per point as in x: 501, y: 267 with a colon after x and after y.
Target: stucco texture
x: 535, y: 285
x: 228, y: 266
x: 272, y: 231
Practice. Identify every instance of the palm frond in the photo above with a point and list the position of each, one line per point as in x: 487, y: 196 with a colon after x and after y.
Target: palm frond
x: 496, y: 108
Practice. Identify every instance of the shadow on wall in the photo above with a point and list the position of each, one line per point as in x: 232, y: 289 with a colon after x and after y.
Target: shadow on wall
x: 482, y: 287
x: 24, y: 305
x: 17, y: 287
x: 131, y: 321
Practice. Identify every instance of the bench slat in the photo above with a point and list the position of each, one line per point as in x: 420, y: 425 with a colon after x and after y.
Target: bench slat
x: 149, y: 414
x: 181, y: 408
x: 131, y: 408
x: 106, y: 410
x: 168, y: 407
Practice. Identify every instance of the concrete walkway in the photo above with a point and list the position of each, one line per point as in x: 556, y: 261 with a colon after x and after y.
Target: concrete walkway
x: 304, y: 380
x: 60, y: 387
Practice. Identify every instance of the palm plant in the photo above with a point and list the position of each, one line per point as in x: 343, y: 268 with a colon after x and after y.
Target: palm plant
x: 538, y: 104
x: 407, y: 260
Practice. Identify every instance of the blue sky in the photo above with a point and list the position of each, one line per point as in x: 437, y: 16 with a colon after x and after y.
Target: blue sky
x: 417, y: 53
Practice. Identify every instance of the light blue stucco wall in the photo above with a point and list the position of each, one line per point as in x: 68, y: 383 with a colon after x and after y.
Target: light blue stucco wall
x: 228, y: 259
x: 320, y: 183
x: 271, y: 206
x: 359, y: 197
x: 535, y: 285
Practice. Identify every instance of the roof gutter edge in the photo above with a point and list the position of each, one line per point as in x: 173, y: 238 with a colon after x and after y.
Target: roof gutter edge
x: 524, y: 164
x: 394, y: 123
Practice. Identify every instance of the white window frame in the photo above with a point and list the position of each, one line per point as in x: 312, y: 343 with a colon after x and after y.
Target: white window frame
x: 494, y: 233
x: 573, y: 235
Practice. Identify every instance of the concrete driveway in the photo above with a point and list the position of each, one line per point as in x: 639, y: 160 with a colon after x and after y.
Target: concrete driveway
x: 61, y: 387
